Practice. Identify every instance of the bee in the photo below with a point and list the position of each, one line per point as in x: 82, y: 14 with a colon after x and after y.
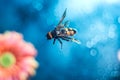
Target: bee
x: 63, y: 32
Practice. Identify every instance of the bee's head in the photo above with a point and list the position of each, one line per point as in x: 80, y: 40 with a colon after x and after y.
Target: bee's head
x: 49, y: 36
x: 74, y: 30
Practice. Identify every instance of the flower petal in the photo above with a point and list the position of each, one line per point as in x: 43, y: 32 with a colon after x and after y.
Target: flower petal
x: 24, y: 53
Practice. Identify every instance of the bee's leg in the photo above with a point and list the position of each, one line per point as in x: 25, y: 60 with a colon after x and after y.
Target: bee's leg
x: 60, y: 42
x: 66, y: 38
x: 54, y: 40
x: 71, y: 39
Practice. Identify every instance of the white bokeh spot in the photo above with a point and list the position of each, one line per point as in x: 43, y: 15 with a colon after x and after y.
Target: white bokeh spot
x: 118, y: 55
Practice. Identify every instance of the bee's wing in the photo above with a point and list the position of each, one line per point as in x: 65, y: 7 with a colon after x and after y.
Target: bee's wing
x: 63, y: 16
x: 66, y: 24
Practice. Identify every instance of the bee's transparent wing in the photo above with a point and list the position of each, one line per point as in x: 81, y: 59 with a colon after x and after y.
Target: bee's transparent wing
x: 66, y: 24
x: 63, y: 16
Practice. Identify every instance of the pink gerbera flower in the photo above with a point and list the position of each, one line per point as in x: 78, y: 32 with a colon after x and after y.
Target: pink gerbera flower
x: 17, y: 60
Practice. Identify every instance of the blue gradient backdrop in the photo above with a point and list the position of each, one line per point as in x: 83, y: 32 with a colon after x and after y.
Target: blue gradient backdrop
x: 98, y: 28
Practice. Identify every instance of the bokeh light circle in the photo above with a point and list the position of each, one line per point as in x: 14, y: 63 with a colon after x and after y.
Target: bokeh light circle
x: 93, y: 52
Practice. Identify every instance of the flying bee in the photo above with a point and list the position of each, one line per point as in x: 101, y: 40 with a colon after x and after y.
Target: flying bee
x: 63, y: 32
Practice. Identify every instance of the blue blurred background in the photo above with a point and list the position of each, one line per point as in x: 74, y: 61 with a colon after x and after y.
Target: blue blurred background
x: 98, y: 28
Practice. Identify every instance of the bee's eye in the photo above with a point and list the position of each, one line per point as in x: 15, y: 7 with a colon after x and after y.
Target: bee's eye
x: 74, y: 31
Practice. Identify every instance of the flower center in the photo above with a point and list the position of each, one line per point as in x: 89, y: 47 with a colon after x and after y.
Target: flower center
x: 7, y: 59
